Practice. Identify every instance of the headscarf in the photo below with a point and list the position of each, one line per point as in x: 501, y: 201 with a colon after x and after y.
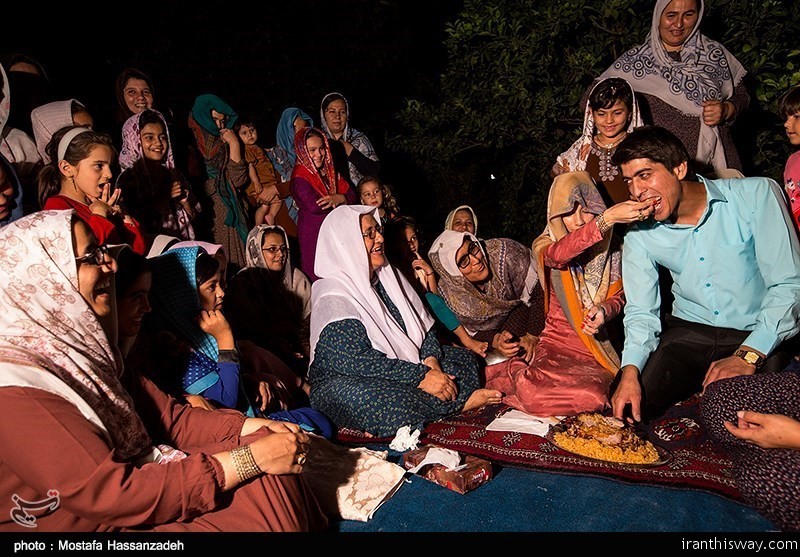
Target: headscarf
x: 215, y: 155
x: 176, y: 305
x: 593, y: 276
x: 132, y: 141
x: 11, y: 175
x: 283, y: 155
x: 123, y: 112
x: 344, y: 289
x: 15, y: 144
x: 293, y: 279
x: 30, y: 90
x: 48, y: 119
x: 201, y: 112
x: 46, y: 325
x: 353, y: 136
x: 304, y: 167
x: 448, y: 222
x: 706, y: 71
x: 575, y: 157
x: 512, y: 278
x: 5, y: 102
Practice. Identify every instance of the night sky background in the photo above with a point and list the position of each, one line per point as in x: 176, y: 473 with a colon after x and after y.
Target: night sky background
x: 258, y: 57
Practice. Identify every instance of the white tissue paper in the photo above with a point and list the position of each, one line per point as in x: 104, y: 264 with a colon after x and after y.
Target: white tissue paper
x: 516, y: 420
x: 405, y: 440
x: 436, y: 455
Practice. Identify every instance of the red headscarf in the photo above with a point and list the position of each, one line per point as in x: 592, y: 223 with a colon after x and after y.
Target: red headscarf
x: 304, y: 167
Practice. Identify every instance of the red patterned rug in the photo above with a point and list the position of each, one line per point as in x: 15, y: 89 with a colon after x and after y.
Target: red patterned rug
x: 693, y: 463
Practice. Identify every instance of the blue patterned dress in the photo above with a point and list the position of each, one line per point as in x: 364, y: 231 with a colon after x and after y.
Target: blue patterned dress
x: 361, y: 388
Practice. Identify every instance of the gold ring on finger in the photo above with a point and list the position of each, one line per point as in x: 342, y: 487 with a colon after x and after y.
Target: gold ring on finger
x: 301, y: 460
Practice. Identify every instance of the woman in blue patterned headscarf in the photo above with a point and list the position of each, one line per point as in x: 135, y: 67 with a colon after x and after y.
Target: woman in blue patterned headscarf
x: 283, y: 155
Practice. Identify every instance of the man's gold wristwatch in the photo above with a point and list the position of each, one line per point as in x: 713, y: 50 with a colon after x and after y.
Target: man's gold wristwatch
x: 750, y: 357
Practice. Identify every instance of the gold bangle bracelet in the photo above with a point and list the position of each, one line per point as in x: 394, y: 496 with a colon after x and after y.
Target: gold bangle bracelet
x: 244, y: 463
x: 602, y: 225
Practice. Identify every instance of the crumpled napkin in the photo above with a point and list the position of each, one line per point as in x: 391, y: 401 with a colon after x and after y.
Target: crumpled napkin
x: 516, y: 420
x: 448, y: 458
x: 405, y: 440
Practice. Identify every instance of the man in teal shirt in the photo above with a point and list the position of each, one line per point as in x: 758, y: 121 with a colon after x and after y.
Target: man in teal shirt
x: 734, y: 259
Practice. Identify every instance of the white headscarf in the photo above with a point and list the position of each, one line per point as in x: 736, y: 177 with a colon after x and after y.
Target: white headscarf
x: 15, y: 145
x: 46, y: 326
x: 47, y: 120
x: 294, y: 279
x: 706, y: 71
x: 448, y: 222
x: 344, y: 290
x: 574, y: 158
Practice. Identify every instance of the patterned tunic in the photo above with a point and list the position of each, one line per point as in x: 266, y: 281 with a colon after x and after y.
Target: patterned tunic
x: 769, y: 479
x: 361, y: 388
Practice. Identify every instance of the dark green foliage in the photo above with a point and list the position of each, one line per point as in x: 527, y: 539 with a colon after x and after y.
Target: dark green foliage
x: 516, y: 70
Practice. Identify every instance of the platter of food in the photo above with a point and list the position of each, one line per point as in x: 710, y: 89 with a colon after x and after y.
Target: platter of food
x: 607, y: 439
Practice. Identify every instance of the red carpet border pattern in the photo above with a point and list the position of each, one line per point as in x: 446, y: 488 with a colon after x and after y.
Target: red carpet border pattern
x: 693, y: 463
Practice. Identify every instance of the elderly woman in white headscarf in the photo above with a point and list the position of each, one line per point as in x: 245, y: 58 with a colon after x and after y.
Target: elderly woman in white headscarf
x: 376, y: 362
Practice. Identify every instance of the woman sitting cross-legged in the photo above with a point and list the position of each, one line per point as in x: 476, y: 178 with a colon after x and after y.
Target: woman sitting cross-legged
x: 376, y: 362
x: 78, y: 445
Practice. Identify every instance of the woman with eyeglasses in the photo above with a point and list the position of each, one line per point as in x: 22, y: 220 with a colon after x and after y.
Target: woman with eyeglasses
x: 580, y: 267
x: 82, y: 449
x: 268, y: 302
x: 493, y: 290
x: 376, y: 362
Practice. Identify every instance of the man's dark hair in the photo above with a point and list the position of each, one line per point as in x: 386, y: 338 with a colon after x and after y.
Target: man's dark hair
x: 651, y: 142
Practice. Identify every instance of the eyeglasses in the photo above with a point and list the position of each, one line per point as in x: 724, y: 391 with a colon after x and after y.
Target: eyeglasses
x: 371, y: 231
x: 95, y: 257
x: 275, y: 249
x: 474, y: 250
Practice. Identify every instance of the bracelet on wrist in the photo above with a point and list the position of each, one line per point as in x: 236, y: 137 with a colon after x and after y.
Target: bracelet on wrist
x: 244, y: 463
x: 602, y: 225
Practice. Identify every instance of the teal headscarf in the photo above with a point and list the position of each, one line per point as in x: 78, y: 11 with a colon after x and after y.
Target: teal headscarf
x: 201, y: 112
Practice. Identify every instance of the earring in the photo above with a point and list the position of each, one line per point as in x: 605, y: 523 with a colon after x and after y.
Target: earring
x: 74, y: 185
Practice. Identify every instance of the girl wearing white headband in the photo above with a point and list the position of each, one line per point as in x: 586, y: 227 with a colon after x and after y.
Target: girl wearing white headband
x: 79, y: 177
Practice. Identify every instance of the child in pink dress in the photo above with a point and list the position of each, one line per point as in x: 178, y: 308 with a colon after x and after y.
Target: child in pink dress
x: 789, y: 110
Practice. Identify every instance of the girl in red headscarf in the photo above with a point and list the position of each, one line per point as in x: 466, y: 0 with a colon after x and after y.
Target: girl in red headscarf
x: 317, y: 189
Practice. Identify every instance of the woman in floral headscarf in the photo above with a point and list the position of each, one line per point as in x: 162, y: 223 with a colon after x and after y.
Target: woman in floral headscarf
x: 211, y: 121
x: 81, y: 446
x: 492, y: 288
x: 579, y: 266
x: 317, y: 189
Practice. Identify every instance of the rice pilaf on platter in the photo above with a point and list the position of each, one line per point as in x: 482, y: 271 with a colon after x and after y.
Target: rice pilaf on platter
x: 593, y: 435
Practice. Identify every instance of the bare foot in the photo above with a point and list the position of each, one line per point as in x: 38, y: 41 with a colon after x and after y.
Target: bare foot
x: 481, y: 397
